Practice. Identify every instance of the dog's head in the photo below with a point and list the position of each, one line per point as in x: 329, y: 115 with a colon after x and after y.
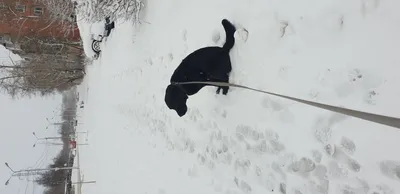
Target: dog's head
x: 175, y: 98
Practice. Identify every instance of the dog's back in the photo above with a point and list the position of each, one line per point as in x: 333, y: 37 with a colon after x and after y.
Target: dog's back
x: 201, y: 59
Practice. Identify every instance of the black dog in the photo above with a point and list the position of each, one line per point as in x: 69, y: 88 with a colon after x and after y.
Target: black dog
x: 205, y: 64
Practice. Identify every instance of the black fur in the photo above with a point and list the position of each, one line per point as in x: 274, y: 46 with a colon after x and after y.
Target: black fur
x: 205, y: 64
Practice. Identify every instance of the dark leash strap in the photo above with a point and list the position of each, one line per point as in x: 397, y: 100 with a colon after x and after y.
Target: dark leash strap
x: 384, y: 120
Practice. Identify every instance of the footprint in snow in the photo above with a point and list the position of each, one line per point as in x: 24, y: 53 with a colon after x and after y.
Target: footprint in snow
x: 321, y: 187
x: 242, y: 185
x: 323, y: 126
x: 279, y: 170
x: 358, y: 80
x: 371, y: 97
x: 368, y: 6
x: 348, y: 145
x: 333, y: 22
x: 184, y: 38
x: 284, y: 114
x: 381, y: 189
x: 340, y: 156
x: 391, y: 169
x: 302, y: 167
x: 254, y: 140
x: 170, y: 57
x: 242, y: 166
x: 273, y: 105
x: 216, y: 37
x: 195, y: 114
x: 221, y: 112
x: 350, y: 189
x: 320, y: 172
x: 282, y: 164
x: 317, y: 156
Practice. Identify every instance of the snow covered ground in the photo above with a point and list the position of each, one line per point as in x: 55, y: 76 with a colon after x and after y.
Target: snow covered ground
x: 338, y: 52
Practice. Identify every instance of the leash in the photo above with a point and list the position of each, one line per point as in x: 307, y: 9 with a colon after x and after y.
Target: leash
x: 381, y: 119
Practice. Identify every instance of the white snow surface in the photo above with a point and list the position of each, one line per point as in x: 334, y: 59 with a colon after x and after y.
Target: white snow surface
x: 339, y: 52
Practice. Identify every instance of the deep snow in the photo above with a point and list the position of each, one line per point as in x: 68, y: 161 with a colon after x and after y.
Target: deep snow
x: 337, y: 52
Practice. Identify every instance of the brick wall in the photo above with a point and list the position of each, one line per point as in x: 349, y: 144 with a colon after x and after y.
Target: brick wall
x: 19, y: 18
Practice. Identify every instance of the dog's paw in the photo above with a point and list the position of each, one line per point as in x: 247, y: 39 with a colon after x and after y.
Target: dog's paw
x: 225, y: 90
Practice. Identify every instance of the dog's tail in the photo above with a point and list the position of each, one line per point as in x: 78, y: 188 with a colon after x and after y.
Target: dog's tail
x: 230, y: 31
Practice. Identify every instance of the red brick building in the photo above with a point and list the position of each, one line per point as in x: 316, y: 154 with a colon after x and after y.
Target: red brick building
x: 25, y: 18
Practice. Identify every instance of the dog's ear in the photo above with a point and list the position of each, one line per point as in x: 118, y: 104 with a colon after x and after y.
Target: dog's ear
x: 181, y: 110
x: 169, y: 96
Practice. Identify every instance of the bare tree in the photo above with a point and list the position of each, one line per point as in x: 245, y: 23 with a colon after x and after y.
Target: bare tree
x: 59, y: 9
x: 10, y: 16
x: 57, y: 179
x: 57, y: 182
x: 42, y: 74
x: 61, y: 12
x: 97, y: 10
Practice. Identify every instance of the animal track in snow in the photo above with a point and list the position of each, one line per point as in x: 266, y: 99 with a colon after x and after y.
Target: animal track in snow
x: 170, y: 57
x: 320, y: 172
x: 208, y: 126
x: 284, y: 25
x: 273, y: 147
x: 368, y: 6
x: 336, y: 170
x: 185, y: 45
x: 279, y: 169
x: 332, y: 21
x: 302, y: 166
x: 284, y: 114
x: 348, y: 145
x: 370, y: 97
x: 297, y: 191
x: 274, y: 105
x: 381, y: 189
x: 216, y: 37
x: 149, y: 61
x: 251, y: 140
x: 355, y: 75
x: 248, y: 132
x: 391, y: 169
x: 321, y: 187
x: 282, y: 188
x: 338, y: 155
x: 358, y: 80
x: 323, y: 131
x: 221, y: 112
x: 242, y: 185
x: 360, y: 187
x: 242, y: 166
x: 195, y: 114
x: 317, y: 156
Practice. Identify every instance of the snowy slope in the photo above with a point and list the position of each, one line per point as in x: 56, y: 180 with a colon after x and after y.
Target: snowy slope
x: 337, y: 52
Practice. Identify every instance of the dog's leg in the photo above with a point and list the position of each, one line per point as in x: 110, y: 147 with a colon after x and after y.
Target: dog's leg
x: 218, y: 90
x: 225, y: 89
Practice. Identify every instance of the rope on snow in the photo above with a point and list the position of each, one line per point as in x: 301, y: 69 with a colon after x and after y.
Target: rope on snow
x: 381, y: 119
